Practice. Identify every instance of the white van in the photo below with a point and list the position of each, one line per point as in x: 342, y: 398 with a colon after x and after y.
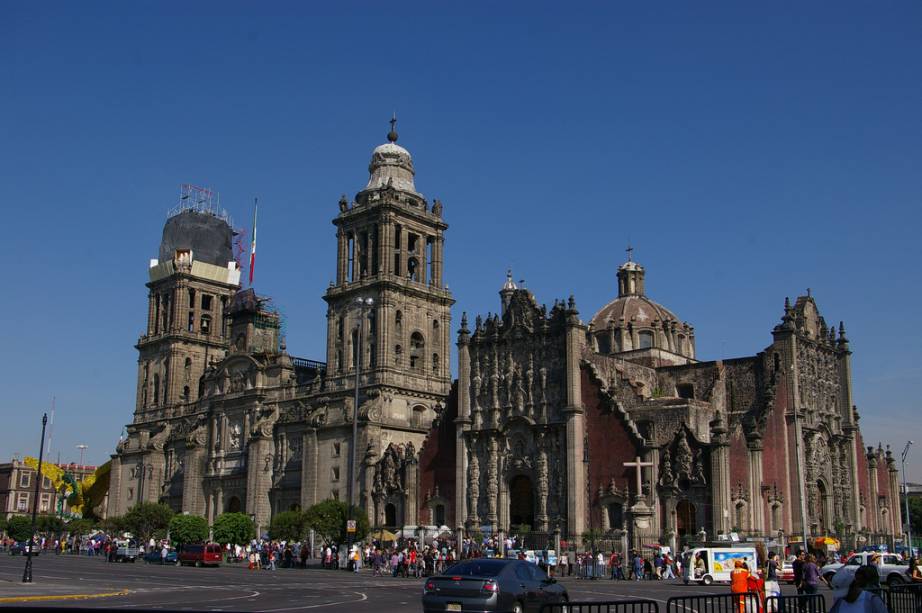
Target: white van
x: 718, y: 562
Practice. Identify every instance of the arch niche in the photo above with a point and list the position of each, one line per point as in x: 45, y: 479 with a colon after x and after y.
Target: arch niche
x: 521, y: 502
x: 685, y: 517
x: 233, y: 505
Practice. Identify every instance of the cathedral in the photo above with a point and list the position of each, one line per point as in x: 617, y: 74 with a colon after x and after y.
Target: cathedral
x: 555, y: 427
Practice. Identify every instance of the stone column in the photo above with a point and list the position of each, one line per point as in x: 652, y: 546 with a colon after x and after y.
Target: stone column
x: 309, y: 469
x: 192, y: 491
x: 756, y: 504
x: 462, y: 423
x: 411, y: 504
x: 576, y: 431
x: 209, y: 507
x: 873, y: 510
x: 893, y: 501
x: 341, y: 256
x: 115, y: 507
x: 219, y: 501
x: 720, y: 475
x: 259, y: 478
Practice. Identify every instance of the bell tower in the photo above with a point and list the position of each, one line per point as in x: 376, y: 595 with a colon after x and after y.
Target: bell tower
x: 390, y: 242
x: 191, y: 286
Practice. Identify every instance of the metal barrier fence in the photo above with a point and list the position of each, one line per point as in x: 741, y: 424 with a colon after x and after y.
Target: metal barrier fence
x: 749, y: 602
x: 799, y: 603
x: 613, y: 606
x: 905, y: 598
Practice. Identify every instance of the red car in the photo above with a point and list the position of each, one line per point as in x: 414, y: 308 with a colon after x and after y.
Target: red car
x: 208, y: 554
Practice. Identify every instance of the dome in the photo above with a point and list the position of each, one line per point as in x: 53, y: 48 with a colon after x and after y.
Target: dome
x: 638, y: 309
x: 391, y: 165
x: 208, y: 237
x: 633, y: 322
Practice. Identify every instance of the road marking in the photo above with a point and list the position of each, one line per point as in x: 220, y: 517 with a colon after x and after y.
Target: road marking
x: 315, y: 606
x: 62, y: 597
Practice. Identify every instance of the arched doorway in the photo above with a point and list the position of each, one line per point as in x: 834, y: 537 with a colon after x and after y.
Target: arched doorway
x: 390, y: 515
x: 615, y: 512
x: 822, y: 523
x: 233, y: 505
x: 685, y: 518
x: 521, y: 502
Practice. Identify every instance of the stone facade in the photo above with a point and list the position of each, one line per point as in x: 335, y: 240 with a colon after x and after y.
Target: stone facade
x: 554, y: 426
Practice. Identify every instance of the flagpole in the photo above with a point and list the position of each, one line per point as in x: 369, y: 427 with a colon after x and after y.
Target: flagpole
x: 253, y: 242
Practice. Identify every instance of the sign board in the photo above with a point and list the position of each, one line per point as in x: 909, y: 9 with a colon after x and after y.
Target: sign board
x: 551, y: 557
x: 350, y: 525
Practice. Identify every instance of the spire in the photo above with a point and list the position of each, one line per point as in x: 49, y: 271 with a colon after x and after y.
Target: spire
x: 630, y: 276
x: 508, y: 289
x: 509, y: 284
x: 392, y: 135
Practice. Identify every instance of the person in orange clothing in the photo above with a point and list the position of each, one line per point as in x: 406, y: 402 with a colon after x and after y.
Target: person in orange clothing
x: 739, y: 583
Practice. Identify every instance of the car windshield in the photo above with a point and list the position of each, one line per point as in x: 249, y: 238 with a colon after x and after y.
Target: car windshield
x: 477, y: 568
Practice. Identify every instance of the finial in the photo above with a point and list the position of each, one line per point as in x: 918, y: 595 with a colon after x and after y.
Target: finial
x: 392, y: 135
x: 809, y: 292
x: 630, y: 253
x: 787, y: 303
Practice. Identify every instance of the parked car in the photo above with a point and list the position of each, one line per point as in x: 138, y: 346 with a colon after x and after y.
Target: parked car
x: 892, y: 568
x: 22, y: 547
x: 492, y: 585
x: 203, y: 554
x: 786, y: 571
x: 126, y: 551
x: 154, y: 557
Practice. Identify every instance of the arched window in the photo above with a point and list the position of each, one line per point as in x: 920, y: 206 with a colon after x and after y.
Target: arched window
x: 417, y: 346
x: 440, y: 515
x: 398, y: 319
x: 390, y: 515
x: 435, y: 325
x: 156, y: 389
x: 398, y: 352
x: 646, y: 340
x: 187, y: 368
x: 185, y: 393
x: 615, y: 512
x: 435, y: 363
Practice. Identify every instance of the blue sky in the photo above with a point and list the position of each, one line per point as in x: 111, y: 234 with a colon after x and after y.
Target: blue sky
x: 747, y: 151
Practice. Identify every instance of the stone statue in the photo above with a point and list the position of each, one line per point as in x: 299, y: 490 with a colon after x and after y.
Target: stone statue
x: 683, y: 456
x: 437, y: 207
x: 389, y: 469
x: 666, y: 478
x: 698, y: 472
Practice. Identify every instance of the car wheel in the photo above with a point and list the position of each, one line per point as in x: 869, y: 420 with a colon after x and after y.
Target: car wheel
x: 895, y: 580
x: 707, y: 580
x: 517, y: 607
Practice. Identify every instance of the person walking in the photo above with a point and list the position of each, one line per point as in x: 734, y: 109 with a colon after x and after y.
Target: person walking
x: 739, y: 583
x: 668, y: 572
x: 798, y: 567
x: 811, y: 575
x: 637, y: 567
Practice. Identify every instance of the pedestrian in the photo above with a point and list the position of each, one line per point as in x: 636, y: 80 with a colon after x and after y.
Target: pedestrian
x: 637, y: 567
x: 772, y: 587
x: 668, y: 572
x: 915, y: 574
x: 798, y: 567
x: 739, y: 583
x: 811, y: 575
x: 858, y: 598
x: 564, y: 564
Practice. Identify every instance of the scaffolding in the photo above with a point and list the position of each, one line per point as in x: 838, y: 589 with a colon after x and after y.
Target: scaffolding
x: 200, y: 200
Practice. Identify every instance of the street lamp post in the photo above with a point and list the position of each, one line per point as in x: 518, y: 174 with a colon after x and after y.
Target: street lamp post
x: 82, y: 449
x: 27, y: 573
x: 362, y: 304
x: 906, y: 499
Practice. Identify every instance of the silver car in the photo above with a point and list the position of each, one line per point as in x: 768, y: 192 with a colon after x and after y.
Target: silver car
x: 489, y: 584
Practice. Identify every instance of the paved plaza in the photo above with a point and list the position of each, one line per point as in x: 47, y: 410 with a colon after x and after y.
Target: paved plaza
x: 90, y: 582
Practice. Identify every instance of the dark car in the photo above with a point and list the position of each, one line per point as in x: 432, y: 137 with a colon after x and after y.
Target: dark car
x: 22, y: 547
x: 209, y: 554
x: 154, y: 557
x: 488, y: 584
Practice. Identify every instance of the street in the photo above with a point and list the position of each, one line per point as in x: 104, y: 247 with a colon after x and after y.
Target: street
x: 91, y: 582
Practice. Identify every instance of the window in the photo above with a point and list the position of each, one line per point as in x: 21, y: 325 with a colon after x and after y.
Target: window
x: 191, y: 298
x: 413, y: 269
x: 337, y: 449
x: 46, y: 482
x: 685, y: 390
x: 435, y: 363
x: 440, y: 515
x: 25, y: 479
x: 398, y: 351
x: 646, y: 340
x: 156, y: 390
x: 185, y: 393
x: 206, y: 302
x: 22, y: 503
x: 435, y: 325
x: 45, y: 503
x: 191, y: 324
x: 187, y: 368
x: 417, y: 346
x: 334, y: 473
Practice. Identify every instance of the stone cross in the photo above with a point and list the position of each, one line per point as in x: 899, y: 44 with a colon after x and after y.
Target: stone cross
x: 639, y: 465
x: 630, y: 252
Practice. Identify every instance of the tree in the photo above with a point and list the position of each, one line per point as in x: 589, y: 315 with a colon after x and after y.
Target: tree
x: 146, y: 518
x: 328, y: 520
x: 19, y: 527
x: 915, y: 516
x: 49, y: 524
x: 233, y: 529
x: 113, y: 524
x: 188, y: 529
x: 79, y: 526
x: 2, y: 523
x: 287, y: 526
